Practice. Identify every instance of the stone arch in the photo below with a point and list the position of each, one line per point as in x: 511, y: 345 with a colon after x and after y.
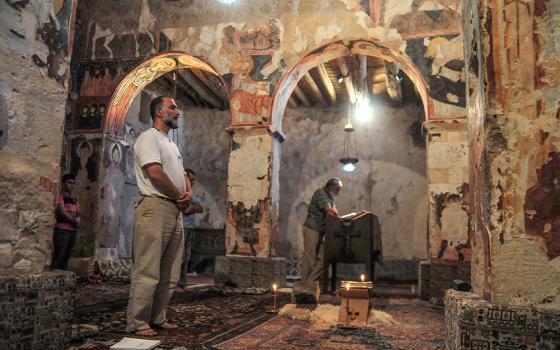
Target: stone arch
x: 138, y: 78
x: 334, y: 49
x: 341, y: 48
x: 116, y: 153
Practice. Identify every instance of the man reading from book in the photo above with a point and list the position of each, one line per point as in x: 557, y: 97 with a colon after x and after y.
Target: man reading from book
x: 321, y: 204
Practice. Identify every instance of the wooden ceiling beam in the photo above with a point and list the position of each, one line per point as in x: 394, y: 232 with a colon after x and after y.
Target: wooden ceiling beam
x: 181, y: 85
x: 201, y: 89
x: 378, y: 88
x: 347, y: 79
x: 301, y: 96
x: 363, y: 75
x: 393, y: 81
x: 213, y: 83
x: 315, y: 90
x: 327, y: 83
x: 292, y: 102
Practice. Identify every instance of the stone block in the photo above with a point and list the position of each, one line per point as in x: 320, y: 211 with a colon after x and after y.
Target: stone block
x: 305, y: 294
x: 442, y: 273
x: 247, y: 271
x: 473, y: 323
x: 37, y: 310
x: 424, y: 280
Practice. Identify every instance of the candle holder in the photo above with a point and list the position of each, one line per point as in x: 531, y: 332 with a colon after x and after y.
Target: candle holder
x: 354, y: 311
x: 273, y: 311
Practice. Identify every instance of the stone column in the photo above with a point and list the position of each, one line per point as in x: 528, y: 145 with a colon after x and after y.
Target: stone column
x: 515, y: 137
x: 249, y: 261
x: 449, y: 244
x: 512, y: 62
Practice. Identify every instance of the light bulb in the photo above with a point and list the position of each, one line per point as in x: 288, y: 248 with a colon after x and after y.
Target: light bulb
x: 363, y: 111
x: 349, y: 167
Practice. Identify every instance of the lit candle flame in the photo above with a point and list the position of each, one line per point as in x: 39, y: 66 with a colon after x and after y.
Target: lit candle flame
x: 362, y: 277
x: 347, y: 286
x: 274, y: 287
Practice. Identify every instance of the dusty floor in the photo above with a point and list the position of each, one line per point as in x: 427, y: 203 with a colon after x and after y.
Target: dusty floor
x: 212, y: 318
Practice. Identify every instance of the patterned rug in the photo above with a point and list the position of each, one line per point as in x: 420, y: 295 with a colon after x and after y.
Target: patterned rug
x: 205, y: 316
x: 420, y: 327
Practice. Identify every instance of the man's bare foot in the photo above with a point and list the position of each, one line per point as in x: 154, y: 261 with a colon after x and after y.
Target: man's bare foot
x: 148, y: 332
x: 167, y: 325
x: 181, y: 289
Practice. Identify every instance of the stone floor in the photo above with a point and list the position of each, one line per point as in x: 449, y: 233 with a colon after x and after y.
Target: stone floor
x: 213, y: 318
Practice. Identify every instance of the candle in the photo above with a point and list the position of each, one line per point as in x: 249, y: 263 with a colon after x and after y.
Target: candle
x: 347, y: 304
x: 362, y: 277
x: 274, y: 297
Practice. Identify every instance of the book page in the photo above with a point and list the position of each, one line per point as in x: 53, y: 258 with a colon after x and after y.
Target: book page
x: 135, y: 344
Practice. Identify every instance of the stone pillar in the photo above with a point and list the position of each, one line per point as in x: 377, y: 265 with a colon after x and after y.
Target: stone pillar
x: 512, y: 63
x: 248, y: 227
x: 447, y: 170
x: 514, y: 132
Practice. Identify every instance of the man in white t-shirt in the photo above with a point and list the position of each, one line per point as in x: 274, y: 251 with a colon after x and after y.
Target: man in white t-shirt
x: 158, y: 228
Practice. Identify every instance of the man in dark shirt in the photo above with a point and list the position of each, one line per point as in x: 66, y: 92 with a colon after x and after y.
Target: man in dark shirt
x: 322, y: 203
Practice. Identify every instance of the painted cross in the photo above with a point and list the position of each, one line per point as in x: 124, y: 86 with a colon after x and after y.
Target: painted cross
x: 347, y: 234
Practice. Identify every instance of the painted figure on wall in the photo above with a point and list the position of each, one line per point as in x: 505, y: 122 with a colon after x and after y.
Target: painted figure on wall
x: 542, y: 207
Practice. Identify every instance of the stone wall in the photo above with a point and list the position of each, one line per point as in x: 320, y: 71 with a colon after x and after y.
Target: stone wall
x: 390, y: 178
x: 207, y: 147
x: 514, y: 133
x: 33, y: 74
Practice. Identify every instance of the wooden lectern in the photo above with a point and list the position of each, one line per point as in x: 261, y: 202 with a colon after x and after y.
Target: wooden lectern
x: 352, y: 240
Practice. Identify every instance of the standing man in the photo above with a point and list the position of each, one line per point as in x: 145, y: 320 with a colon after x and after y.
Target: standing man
x: 322, y: 203
x: 67, y: 215
x: 189, y: 214
x: 158, y: 229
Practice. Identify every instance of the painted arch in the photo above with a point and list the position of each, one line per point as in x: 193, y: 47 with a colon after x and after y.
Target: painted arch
x: 342, y: 48
x: 138, y: 78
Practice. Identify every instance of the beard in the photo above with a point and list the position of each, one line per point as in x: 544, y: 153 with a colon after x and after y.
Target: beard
x: 171, y: 123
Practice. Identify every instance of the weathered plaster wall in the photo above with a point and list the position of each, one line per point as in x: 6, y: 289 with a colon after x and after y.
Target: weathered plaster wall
x: 206, y: 151
x: 249, y: 209
x: 448, y: 186
x: 390, y: 179
x: 252, y: 45
x: 516, y: 139
x: 33, y: 74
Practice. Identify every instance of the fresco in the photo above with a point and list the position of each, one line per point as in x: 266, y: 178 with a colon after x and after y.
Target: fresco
x: 542, y: 207
x: 253, y: 72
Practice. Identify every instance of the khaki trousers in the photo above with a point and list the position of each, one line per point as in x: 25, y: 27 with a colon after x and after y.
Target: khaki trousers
x: 312, y: 260
x: 189, y: 241
x: 157, y: 251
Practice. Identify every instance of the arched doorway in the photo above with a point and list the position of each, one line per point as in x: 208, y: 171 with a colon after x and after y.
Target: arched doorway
x: 203, y: 99
x: 391, y: 180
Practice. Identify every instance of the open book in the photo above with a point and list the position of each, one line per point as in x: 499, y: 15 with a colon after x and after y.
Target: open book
x: 354, y: 215
x: 347, y: 216
x: 135, y: 344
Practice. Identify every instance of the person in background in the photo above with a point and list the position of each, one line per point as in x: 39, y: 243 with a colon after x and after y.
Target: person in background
x: 189, y: 214
x: 67, y: 214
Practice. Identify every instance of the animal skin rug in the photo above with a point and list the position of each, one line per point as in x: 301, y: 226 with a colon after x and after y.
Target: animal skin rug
x: 325, y: 316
